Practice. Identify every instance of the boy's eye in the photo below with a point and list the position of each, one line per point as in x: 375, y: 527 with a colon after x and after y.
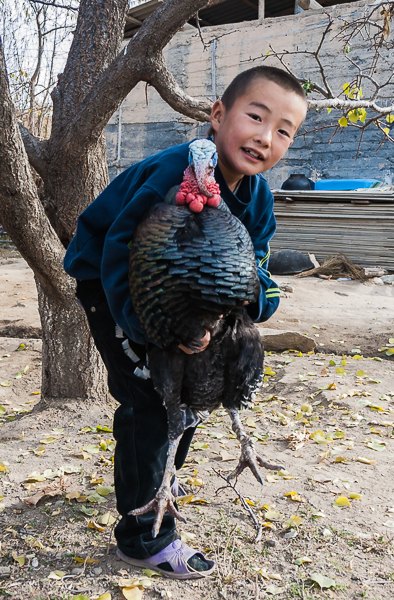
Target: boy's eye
x: 284, y: 132
x: 255, y: 117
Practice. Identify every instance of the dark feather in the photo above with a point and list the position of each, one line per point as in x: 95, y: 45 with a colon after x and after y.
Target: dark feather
x: 190, y: 273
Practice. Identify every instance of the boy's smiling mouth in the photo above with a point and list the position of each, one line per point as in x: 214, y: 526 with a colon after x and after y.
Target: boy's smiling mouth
x: 253, y: 154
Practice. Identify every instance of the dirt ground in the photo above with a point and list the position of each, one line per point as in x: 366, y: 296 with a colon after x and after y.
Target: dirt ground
x: 327, y: 417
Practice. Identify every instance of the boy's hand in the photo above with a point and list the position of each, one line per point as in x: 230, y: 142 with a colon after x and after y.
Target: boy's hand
x: 198, y: 346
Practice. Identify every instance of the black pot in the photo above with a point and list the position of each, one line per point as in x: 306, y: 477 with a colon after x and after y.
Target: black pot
x: 297, y: 181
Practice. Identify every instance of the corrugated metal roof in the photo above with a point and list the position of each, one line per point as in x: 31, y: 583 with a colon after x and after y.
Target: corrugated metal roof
x: 327, y: 223
x: 363, y: 196
x: 222, y: 12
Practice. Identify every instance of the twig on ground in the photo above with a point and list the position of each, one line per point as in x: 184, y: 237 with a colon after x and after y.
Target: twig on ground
x: 244, y: 504
x: 256, y: 588
x: 110, y: 534
x: 79, y: 574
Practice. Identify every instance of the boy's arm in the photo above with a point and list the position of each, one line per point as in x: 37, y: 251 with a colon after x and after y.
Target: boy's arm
x: 268, y: 300
x: 115, y: 262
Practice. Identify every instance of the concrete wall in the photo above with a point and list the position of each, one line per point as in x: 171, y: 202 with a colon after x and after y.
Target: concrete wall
x: 146, y: 124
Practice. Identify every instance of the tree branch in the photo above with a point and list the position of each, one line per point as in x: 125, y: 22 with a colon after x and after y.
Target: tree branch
x: 164, y: 82
x: 37, y: 150
x: 139, y: 58
x: 21, y: 212
x: 66, y: 7
x: 344, y: 104
x: 96, y: 42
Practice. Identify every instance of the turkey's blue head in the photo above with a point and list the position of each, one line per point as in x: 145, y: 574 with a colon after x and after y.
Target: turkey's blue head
x: 203, y: 158
x: 199, y: 186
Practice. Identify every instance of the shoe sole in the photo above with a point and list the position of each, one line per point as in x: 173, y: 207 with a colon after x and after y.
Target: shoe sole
x: 170, y: 574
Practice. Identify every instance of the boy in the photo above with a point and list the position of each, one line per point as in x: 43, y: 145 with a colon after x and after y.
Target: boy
x: 252, y: 126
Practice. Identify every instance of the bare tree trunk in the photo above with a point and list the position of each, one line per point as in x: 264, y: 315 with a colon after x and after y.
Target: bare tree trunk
x: 72, y: 367
x: 75, y: 173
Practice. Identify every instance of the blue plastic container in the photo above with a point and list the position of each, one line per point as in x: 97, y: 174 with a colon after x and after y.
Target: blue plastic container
x: 344, y: 184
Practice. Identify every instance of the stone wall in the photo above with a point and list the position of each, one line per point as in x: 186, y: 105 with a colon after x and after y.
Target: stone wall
x: 145, y: 124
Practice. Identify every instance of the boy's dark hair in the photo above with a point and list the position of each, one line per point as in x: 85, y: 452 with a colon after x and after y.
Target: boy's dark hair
x: 241, y: 82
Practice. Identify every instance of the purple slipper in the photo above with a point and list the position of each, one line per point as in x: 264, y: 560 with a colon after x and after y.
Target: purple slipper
x: 176, y: 554
x: 176, y: 489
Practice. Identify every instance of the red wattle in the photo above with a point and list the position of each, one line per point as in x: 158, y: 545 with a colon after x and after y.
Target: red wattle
x: 214, y: 201
x: 180, y: 198
x: 189, y: 192
x: 196, y: 206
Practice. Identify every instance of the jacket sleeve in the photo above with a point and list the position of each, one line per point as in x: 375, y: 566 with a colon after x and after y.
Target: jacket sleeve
x: 115, y: 262
x: 268, y: 300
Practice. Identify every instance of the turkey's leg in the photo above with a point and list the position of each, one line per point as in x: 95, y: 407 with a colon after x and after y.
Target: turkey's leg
x: 164, y: 500
x: 249, y: 457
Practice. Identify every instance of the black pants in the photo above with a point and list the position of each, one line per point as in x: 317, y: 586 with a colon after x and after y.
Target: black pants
x: 140, y: 430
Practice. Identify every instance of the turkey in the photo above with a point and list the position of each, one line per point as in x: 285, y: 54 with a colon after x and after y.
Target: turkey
x: 192, y: 271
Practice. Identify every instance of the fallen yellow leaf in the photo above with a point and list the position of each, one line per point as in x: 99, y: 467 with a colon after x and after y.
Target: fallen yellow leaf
x: 294, y: 521
x: 320, y: 438
x: 133, y: 593
x: 272, y: 515
x: 19, y: 559
x: 106, y: 519
x: 294, y: 496
x: 73, y: 495
x: 268, y: 525
x: 342, y: 501
x: 56, y: 574
x: 366, y: 461
x: 93, y: 525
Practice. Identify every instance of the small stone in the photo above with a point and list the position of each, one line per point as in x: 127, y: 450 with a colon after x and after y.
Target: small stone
x: 5, y: 571
x: 34, y: 563
x: 278, y: 340
x: 77, y: 571
x: 290, y: 535
x: 286, y: 287
x: 377, y: 280
x: 97, y: 571
x: 388, y: 279
x: 271, y: 543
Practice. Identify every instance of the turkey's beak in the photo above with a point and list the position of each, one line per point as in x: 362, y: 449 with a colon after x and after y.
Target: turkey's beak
x: 203, y: 170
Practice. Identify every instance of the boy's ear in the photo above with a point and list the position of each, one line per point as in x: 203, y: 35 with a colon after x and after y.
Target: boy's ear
x: 217, y: 114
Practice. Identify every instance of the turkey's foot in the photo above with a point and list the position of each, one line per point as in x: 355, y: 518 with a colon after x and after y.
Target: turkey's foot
x: 249, y: 457
x: 164, y: 500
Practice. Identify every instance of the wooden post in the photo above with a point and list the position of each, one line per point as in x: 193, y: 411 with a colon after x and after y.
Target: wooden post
x: 261, y: 9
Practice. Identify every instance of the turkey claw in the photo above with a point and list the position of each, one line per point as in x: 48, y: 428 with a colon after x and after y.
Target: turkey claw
x: 163, y: 502
x: 249, y: 458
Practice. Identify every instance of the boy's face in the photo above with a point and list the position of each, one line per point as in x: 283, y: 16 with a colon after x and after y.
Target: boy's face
x: 257, y: 130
